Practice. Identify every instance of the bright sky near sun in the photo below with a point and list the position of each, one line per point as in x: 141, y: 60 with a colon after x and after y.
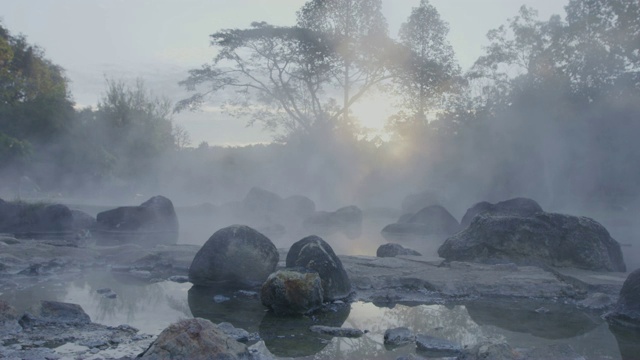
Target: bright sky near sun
x: 160, y: 40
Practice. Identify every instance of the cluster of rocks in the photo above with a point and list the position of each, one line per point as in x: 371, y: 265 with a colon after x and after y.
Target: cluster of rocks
x: 276, y: 217
x: 239, y: 256
x: 153, y: 222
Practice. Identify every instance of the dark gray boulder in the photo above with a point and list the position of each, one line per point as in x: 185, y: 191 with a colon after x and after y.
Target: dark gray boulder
x: 399, y: 336
x: 627, y: 310
x: 235, y: 255
x: 54, y: 312
x: 541, y: 239
x: 152, y: 222
x: 292, y: 291
x: 347, y: 220
x: 412, y: 203
x: 195, y: 339
x: 437, y: 347
x: 393, y: 250
x: 315, y: 254
x: 512, y: 207
x: 21, y: 218
x: 83, y: 221
x: 431, y: 221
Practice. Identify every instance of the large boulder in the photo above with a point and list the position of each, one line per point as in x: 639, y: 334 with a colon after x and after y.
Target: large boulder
x: 347, y: 220
x: 412, y: 203
x: 431, y: 221
x: 292, y: 291
x: 512, y: 207
x: 260, y: 204
x: 195, y: 339
x: 541, y: 239
x: 627, y: 309
x: 152, y: 222
x: 315, y: 254
x: 393, y: 250
x: 54, y: 312
x: 34, y: 218
x: 235, y: 255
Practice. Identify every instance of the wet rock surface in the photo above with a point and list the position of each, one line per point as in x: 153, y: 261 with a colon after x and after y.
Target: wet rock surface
x: 236, y: 255
x: 384, y: 281
x: 541, y: 239
x: 513, y: 207
x: 292, y: 291
x: 315, y: 254
x: 195, y: 339
x: 437, y: 347
x: 627, y: 310
x: 398, y: 336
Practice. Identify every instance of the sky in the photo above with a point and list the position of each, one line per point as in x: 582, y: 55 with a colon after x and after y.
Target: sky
x: 160, y: 40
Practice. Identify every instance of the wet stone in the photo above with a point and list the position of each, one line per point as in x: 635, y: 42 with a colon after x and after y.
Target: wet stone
x: 337, y: 331
x: 399, y: 336
x: 436, y: 346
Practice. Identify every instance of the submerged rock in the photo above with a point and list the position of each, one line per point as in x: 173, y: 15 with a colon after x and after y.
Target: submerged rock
x: 436, y: 346
x: 399, y: 336
x: 236, y: 255
x: 541, y: 239
x: 315, y: 254
x: 292, y: 291
x: 195, y: 339
x: 627, y: 310
x: 153, y: 222
x: 393, y: 250
x: 337, y: 331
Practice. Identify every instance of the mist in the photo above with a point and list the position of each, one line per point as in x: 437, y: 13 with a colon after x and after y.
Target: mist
x: 552, y: 116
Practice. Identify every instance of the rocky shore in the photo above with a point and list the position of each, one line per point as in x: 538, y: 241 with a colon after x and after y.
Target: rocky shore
x: 383, y: 281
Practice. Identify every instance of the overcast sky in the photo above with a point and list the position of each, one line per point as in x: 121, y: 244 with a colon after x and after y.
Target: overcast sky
x: 159, y: 40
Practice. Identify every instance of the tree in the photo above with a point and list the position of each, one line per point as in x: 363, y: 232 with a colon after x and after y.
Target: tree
x: 277, y: 73
x: 134, y: 126
x: 359, y: 31
x: 430, y: 70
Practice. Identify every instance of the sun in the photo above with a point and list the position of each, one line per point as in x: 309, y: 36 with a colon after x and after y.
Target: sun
x: 373, y: 111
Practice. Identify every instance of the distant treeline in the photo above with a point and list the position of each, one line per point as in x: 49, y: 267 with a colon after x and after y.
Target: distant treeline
x: 550, y: 111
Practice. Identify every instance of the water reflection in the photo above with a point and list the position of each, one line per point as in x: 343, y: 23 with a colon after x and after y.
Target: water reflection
x: 244, y: 312
x: 628, y: 341
x: 153, y: 306
x: 548, y: 321
x: 290, y: 336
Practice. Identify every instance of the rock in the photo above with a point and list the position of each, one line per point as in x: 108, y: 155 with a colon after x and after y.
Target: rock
x: 541, y: 239
x: 233, y: 332
x: 627, y: 310
x: 597, y: 301
x: 236, y: 255
x: 315, y: 254
x: 512, y: 207
x: 180, y: 279
x: 347, y: 220
x: 489, y: 350
x: 437, y: 218
x: 54, y: 312
x: 25, y: 219
x: 393, y: 250
x: 555, y: 351
x: 430, y: 221
x: 436, y: 346
x: 153, y: 222
x: 399, y: 336
x: 412, y: 203
x: 298, y: 206
x: 292, y: 291
x: 337, y: 331
x: 195, y: 339
x: 8, y: 320
x: 83, y: 221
